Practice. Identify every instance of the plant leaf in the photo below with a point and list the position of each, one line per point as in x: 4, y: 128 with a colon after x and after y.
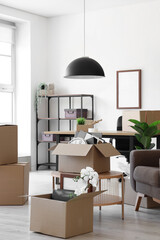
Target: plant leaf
x: 146, y: 141
x: 135, y: 122
x: 151, y: 145
x: 154, y: 123
x: 138, y: 137
x: 142, y: 125
x: 157, y: 132
x: 138, y: 129
x: 138, y: 147
x: 150, y: 131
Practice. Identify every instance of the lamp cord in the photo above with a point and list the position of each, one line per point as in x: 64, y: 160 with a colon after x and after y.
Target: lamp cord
x: 84, y: 27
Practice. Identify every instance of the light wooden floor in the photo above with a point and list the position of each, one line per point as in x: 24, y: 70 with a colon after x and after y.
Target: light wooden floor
x: 142, y: 225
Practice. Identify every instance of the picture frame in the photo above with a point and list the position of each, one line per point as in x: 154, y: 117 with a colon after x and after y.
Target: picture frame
x: 129, y: 89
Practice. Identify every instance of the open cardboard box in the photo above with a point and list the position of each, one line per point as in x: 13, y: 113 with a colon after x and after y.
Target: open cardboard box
x: 74, y: 157
x: 142, y: 116
x: 8, y: 144
x: 14, y: 181
x: 62, y: 219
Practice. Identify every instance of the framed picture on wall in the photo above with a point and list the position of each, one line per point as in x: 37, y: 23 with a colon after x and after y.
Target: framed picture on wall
x: 129, y: 89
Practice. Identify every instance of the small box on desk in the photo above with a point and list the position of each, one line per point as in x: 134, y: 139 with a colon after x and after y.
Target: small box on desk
x: 74, y: 157
x: 62, y: 219
x: 14, y: 181
x: 8, y: 144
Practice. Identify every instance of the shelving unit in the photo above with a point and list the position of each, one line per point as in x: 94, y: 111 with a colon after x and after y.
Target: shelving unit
x: 58, y: 118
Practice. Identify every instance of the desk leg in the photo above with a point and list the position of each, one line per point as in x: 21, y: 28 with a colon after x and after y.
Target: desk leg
x: 158, y: 142
x: 122, y: 197
x: 131, y: 146
x: 53, y: 183
x: 100, y: 190
x: 61, y: 181
x: 57, y: 157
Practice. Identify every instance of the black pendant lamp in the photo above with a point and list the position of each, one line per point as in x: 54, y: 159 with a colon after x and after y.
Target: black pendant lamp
x: 84, y: 67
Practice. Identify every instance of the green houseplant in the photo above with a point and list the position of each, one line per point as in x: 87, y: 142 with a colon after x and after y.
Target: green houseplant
x: 40, y: 92
x: 80, y: 121
x: 144, y: 133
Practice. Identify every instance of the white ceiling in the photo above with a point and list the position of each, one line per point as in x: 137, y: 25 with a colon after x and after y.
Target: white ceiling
x: 50, y: 8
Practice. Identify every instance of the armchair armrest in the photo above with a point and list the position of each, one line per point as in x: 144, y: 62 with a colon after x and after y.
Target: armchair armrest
x: 144, y: 157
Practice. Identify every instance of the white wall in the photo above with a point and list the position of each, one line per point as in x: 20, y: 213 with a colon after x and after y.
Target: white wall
x: 119, y: 38
x: 37, y: 71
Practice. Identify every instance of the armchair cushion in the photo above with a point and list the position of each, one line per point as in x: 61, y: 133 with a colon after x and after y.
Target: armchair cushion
x: 147, y: 175
x: 146, y: 158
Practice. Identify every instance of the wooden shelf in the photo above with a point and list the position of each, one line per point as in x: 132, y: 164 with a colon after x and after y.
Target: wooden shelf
x: 47, y: 118
x: 61, y: 119
x: 106, y: 199
x: 40, y: 141
x: 46, y: 164
x: 67, y: 95
x: 111, y: 174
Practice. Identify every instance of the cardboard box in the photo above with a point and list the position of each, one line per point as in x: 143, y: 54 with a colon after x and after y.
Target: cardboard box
x: 62, y: 219
x: 14, y: 181
x: 88, y: 124
x: 8, y: 144
x: 142, y: 116
x: 84, y: 127
x: 74, y: 157
x: 130, y: 197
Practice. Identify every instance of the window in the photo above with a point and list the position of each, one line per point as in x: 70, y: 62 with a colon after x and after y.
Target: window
x: 7, y: 71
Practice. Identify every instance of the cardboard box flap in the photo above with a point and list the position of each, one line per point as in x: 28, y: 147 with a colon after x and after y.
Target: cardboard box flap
x: 107, y: 150
x: 6, y: 125
x: 52, y: 148
x: 86, y: 195
x: 72, y: 149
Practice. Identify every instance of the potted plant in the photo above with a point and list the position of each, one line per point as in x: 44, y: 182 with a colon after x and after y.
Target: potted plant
x: 144, y: 133
x: 84, y: 125
x: 87, y: 181
x: 80, y: 121
x: 40, y: 92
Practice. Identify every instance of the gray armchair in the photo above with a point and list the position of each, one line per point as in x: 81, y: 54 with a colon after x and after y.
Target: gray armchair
x: 145, y: 174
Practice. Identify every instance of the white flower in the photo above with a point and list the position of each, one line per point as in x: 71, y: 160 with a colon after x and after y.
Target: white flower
x: 93, y: 182
x: 89, y: 169
x: 80, y: 191
x: 84, y: 173
x: 86, y: 178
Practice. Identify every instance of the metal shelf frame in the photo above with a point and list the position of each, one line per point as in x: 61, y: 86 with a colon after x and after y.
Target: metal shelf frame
x: 48, y: 119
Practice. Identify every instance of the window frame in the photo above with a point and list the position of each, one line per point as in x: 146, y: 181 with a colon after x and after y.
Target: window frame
x: 11, y: 88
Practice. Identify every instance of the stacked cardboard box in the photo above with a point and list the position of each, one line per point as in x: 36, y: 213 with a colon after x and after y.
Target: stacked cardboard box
x: 142, y: 116
x: 14, y: 176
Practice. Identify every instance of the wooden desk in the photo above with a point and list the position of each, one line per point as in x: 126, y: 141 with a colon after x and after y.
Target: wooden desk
x: 104, y: 133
